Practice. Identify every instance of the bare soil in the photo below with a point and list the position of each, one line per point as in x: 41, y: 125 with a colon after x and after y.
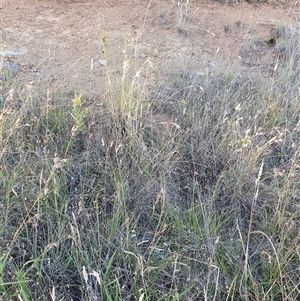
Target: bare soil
x: 71, y: 44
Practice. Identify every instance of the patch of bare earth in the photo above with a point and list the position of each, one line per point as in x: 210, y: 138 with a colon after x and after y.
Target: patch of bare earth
x: 72, y: 44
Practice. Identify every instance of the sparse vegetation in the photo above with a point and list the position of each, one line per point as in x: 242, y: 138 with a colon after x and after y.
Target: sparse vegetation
x: 183, y: 189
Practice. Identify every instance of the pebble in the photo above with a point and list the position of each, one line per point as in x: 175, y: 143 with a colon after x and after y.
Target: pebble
x: 103, y: 62
x: 212, y: 64
x: 10, y: 67
x: 13, y: 51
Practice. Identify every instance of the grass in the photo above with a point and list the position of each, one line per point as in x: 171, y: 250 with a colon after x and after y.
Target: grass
x: 172, y: 190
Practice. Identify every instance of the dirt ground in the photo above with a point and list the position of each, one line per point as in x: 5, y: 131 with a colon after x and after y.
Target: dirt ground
x: 71, y: 44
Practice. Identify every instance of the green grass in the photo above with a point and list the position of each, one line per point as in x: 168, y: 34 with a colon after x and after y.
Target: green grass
x: 171, y: 190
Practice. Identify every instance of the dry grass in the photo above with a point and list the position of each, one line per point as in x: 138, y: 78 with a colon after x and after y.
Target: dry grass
x: 175, y: 189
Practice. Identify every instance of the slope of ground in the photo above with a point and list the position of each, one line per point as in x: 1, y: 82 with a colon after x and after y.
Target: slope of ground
x: 61, y: 42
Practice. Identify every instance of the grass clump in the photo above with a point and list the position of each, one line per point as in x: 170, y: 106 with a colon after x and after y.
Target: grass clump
x: 183, y: 189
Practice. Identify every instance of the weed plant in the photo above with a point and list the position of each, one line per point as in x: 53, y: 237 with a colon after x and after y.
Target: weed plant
x: 172, y: 190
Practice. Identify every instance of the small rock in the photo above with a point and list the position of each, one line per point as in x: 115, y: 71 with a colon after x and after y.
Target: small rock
x: 212, y: 64
x: 103, y: 62
x: 13, y: 51
x: 11, y: 67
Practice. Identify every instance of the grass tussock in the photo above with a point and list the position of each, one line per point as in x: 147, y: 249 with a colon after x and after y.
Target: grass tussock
x: 176, y: 189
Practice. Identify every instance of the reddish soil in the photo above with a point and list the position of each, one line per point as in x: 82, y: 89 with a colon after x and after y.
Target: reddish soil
x: 64, y: 39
